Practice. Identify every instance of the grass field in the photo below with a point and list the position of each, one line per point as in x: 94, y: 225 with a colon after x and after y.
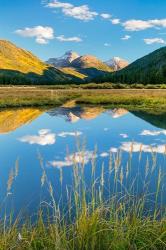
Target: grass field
x: 39, y: 96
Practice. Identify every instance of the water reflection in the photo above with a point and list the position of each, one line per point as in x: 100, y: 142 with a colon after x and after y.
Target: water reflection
x: 68, y: 136
x: 156, y: 118
x: 44, y: 137
x: 12, y: 119
x: 74, y: 114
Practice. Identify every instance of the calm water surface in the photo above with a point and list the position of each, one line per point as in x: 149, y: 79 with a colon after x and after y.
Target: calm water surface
x: 65, y: 135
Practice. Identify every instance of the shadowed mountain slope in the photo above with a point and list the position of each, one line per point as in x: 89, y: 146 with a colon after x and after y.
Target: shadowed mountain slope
x: 18, y: 66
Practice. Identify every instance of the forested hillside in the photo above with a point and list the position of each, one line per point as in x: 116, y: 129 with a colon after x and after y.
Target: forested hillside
x: 150, y: 69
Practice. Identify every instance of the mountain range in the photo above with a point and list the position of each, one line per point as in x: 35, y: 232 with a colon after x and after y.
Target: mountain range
x: 65, y: 60
x: 86, y: 66
x: 18, y: 66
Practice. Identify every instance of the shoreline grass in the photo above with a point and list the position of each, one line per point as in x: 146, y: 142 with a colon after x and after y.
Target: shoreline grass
x: 122, y: 222
x: 101, y: 230
x: 106, y: 85
x: 40, y: 97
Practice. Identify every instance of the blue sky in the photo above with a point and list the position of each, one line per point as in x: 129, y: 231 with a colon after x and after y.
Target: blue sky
x: 128, y: 29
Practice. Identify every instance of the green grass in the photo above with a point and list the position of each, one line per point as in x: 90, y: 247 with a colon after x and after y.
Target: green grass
x: 93, y: 86
x: 94, y: 231
x: 144, y: 99
x: 37, y: 96
x: 121, y: 222
x: 33, y: 97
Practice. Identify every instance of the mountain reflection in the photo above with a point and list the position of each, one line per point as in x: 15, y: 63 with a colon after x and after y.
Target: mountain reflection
x: 12, y: 119
x: 73, y: 114
x: 155, y: 118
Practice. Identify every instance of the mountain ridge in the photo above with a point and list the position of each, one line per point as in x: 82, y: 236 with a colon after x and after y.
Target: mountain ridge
x: 149, y: 69
x: 19, y: 66
x: 64, y: 60
x: 85, y: 67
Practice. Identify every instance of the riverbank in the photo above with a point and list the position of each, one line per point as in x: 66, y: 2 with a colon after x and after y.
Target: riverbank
x: 39, y: 97
x: 101, y: 230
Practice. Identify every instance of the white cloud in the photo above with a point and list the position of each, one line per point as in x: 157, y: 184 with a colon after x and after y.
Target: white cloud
x: 107, y: 44
x: 105, y: 16
x: 153, y: 132
x: 75, y: 39
x: 159, y: 22
x: 44, y: 137
x: 43, y: 131
x: 60, y: 164
x: 115, y: 21
x: 124, y: 135
x: 154, y: 40
x: 113, y: 150
x: 78, y: 12
x: 57, y: 4
x: 64, y: 134
x: 104, y: 154
x: 137, y: 25
x: 41, y: 40
x: 126, y: 37
x: 137, y: 146
x: 81, y: 12
x: 78, y: 157
x: 41, y: 34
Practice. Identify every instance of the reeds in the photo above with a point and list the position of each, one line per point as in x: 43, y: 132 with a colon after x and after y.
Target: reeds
x: 110, y: 212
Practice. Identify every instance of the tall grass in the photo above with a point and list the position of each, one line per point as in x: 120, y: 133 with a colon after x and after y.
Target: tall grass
x: 39, y: 97
x: 108, y: 213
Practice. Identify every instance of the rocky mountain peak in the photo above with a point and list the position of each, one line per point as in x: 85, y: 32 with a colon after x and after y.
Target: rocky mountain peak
x: 65, y: 60
x: 117, y: 63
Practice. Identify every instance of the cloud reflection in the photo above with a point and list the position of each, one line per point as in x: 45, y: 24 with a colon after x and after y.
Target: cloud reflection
x: 153, y: 132
x: 44, y: 137
x: 78, y: 158
x: 124, y: 135
x: 64, y: 134
x: 137, y: 147
x: 104, y: 154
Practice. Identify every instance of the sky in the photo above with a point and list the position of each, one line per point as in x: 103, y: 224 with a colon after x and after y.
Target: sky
x: 128, y: 29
